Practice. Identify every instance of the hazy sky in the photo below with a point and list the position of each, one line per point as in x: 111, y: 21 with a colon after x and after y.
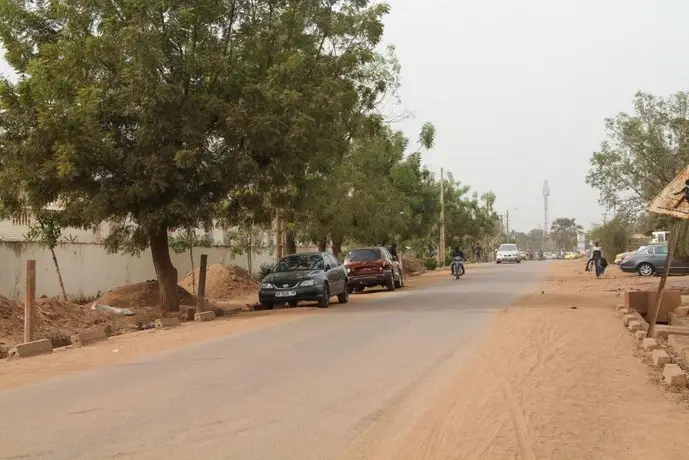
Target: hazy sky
x: 519, y: 90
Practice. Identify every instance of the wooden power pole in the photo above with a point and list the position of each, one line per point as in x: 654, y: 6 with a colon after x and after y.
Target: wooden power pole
x: 441, y: 246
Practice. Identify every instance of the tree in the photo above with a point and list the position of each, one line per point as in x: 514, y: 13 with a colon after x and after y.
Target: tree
x: 46, y: 229
x: 186, y: 241
x: 614, y: 236
x: 248, y: 240
x: 641, y: 154
x: 564, y: 232
x: 149, y: 114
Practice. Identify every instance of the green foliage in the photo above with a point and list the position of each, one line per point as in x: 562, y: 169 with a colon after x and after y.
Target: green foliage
x: 430, y: 263
x: 564, y: 233
x: 614, y: 236
x: 265, y: 269
x: 149, y: 114
x: 641, y: 153
x: 46, y: 228
x: 181, y: 242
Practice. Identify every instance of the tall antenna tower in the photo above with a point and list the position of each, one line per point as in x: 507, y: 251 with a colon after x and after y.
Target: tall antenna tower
x: 546, y: 194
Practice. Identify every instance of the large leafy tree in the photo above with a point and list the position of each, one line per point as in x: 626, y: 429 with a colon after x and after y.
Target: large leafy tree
x: 642, y: 152
x: 564, y: 231
x: 151, y: 113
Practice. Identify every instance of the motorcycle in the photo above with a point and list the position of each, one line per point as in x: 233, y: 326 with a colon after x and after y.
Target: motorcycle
x: 457, y: 267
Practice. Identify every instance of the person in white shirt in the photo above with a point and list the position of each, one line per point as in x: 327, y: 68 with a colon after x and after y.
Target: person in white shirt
x: 597, y: 257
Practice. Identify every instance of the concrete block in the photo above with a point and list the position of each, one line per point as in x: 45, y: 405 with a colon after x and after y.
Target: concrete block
x: 623, y: 312
x: 162, y: 323
x: 682, y: 310
x: 685, y: 300
x: 660, y: 357
x: 674, y: 376
x: 640, y: 334
x: 636, y: 300
x: 649, y: 344
x: 662, y: 331
x: 25, y: 350
x: 678, y: 343
x: 672, y: 299
x: 634, y: 326
x: 186, y: 313
x: 88, y: 337
x: 637, y: 317
x: 204, y: 316
x: 627, y: 318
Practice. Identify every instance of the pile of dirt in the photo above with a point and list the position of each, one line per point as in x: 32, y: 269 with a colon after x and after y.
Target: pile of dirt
x: 56, y: 320
x: 410, y: 264
x: 223, y: 282
x: 141, y: 295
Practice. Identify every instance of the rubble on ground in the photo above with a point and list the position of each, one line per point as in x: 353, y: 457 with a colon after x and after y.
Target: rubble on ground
x: 56, y: 320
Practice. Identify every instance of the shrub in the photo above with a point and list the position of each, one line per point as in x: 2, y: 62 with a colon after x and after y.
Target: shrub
x: 266, y: 268
x: 430, y: 263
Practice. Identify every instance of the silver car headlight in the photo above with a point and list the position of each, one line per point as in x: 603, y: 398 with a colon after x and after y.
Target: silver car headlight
x: 307, y: 283
x: 267, y: 286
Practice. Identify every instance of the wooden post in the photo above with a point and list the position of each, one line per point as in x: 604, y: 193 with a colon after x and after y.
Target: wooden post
x: 441, y: 246
x: 29, y: 300
x: 661, y: 287
x: 200, y: 306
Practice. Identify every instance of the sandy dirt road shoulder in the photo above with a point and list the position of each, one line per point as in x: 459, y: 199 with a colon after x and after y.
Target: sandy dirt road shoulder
x: 547, y: 381
x: 132, y: 346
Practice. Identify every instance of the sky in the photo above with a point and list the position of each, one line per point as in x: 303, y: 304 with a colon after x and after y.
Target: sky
x: 519, y: 90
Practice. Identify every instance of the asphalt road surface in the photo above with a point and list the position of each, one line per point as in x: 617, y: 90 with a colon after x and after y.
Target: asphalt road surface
x: 313, y: 388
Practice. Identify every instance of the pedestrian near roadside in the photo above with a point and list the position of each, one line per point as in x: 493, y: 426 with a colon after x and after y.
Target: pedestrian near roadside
x: 598, y: 259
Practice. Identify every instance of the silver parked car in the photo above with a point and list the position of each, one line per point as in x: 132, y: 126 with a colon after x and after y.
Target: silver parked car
x: 651, y: 260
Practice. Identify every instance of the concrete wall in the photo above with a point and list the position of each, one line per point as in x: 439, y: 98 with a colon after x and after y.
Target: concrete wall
x: 87, y: 269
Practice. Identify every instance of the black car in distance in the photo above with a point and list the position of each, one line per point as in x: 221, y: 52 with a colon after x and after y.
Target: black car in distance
x: 314, y: 276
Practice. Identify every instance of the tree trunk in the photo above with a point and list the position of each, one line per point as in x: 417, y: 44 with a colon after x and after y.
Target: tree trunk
x: 249, y: 252
x: 165, y: 271
x: 291, y: 244
x: 323, y: 244
x: 337, y: 246
x: 59, y: 275
x: 190, y: 242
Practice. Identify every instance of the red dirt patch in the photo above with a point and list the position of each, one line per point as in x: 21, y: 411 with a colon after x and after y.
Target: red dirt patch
x: 57, y: 320
x: 411, y: 265
x: 223, y: 282
x: 140, y: 295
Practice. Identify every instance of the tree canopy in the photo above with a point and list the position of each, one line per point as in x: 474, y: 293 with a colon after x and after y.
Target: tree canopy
x: 641, y: 153
x: 166, y: 115
x: 564, y: 231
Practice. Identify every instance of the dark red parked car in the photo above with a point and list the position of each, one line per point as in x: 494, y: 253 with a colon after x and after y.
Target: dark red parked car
x: 374, y: 266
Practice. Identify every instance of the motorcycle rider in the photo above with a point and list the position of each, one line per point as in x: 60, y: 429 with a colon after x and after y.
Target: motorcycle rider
x: 456, y: 252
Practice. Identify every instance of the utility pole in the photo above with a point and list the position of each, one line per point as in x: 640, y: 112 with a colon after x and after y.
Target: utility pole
x: 441, y: 246
x: 507, y: 225
x: 546, y: 194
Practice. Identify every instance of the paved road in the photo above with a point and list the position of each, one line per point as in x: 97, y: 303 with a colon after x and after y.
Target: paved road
x: 306, y: 389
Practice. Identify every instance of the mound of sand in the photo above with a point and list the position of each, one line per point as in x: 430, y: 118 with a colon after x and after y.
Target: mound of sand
x: 141, y: 295
x: 55, y: 320
x: 223, y: 282
x: 411, y: 264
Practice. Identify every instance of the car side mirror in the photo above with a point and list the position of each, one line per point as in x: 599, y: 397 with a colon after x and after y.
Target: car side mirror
x: 327, y: 268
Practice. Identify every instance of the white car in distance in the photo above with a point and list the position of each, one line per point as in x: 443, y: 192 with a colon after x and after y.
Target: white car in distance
x: 508, y: 253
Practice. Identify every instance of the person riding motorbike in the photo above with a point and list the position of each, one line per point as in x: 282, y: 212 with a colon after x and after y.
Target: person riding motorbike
x: 456, y: 252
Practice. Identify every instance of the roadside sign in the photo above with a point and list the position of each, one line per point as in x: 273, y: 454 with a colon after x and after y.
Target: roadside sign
x: 673, y: 201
